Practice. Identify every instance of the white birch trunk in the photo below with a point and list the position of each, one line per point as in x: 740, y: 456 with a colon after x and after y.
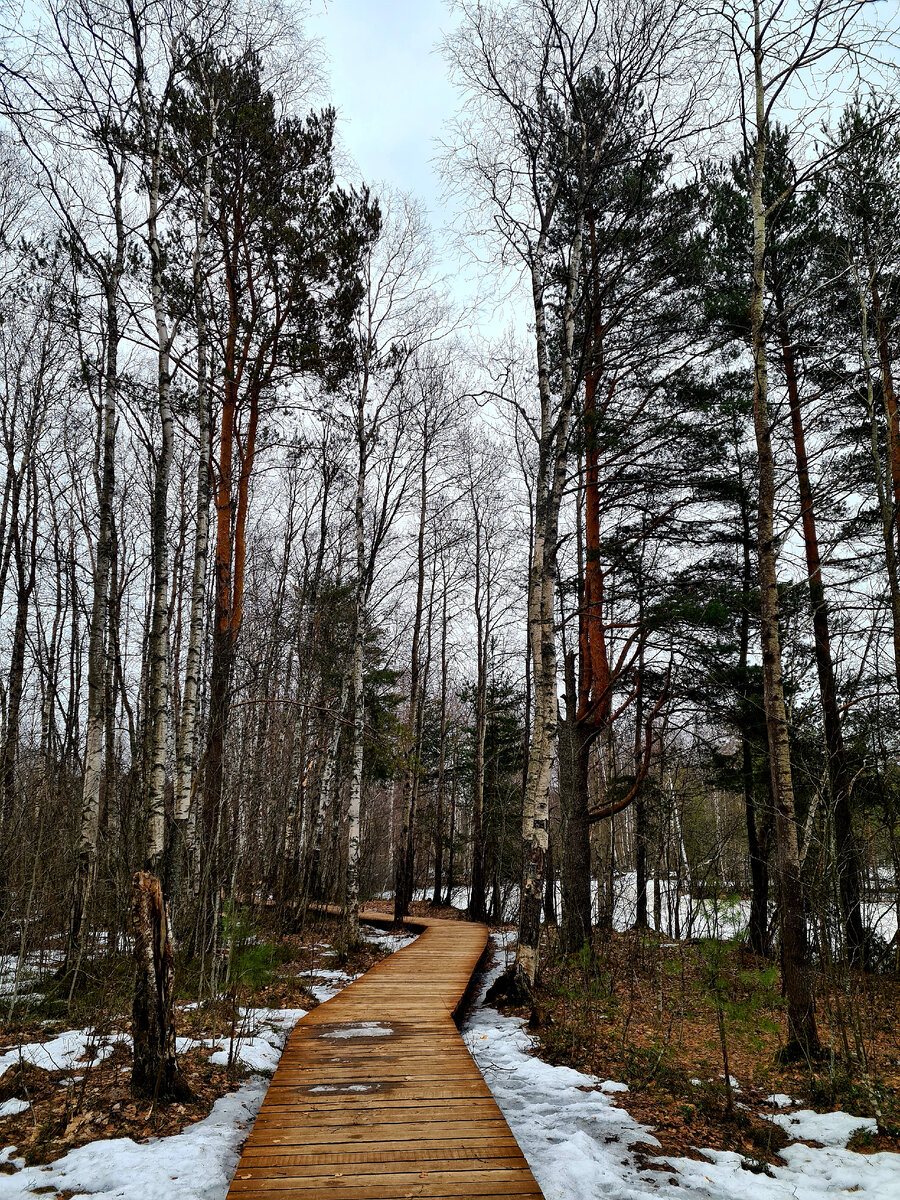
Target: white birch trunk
x: 185, y: 829
x: 89, y: 822
x: 351, y: 898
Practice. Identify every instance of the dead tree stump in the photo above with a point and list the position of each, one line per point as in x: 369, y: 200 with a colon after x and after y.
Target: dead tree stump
x: 155, y: 1073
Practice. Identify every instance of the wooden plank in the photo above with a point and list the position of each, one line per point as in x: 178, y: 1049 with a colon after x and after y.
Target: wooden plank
x: 374, y: 1161
x: 389, y: 1112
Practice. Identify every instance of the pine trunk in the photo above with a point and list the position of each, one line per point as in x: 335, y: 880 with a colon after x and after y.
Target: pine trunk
x: 795, y: 959
x: 575, y: 844
x: 847, y: 852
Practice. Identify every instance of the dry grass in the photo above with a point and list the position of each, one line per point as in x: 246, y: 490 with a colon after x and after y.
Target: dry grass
x: 642, y: 1011
x: 71, y: 1107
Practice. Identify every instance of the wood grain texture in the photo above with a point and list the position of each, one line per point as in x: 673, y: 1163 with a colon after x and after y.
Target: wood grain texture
x: 398, y: 1108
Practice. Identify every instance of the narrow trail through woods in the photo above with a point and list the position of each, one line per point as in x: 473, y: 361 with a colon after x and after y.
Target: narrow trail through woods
x: 376, y: 1095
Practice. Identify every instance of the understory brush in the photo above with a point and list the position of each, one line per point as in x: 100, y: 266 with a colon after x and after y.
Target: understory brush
x: 694, y: 1029
x: 81, y: 1089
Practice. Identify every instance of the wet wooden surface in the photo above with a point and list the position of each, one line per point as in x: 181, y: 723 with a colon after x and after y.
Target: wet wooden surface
x: 376, y: 1096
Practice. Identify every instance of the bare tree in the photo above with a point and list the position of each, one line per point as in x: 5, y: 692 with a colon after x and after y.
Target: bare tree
x: 779, y: 52
x: 548, y: 85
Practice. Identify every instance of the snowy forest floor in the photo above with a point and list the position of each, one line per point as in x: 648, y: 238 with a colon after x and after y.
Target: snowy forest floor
x: 583, y: 1142
x: 63, y: 1087
x: 643, y: 1011
x: 617, y: 1091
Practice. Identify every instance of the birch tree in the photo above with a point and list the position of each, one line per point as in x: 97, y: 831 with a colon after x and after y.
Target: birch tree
x: 527, y: 156
x: 778, y: 53
x: 399, y: 315
x: 67, y: 113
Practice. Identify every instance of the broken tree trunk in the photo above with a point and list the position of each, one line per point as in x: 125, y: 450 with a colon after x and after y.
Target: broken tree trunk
x: 155, y: 1072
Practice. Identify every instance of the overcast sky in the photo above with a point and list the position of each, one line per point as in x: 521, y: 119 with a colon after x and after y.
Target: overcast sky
x: 388, y: 80
x: 389, y: 84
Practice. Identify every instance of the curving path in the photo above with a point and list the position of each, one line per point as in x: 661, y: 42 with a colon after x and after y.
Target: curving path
x: 376, y: 1096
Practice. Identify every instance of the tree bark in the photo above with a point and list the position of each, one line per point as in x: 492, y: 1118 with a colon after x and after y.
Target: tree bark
x: 89, y: 823
x: 888, y: 394
x: 575, y: 853
x: 186, y: 735
x: 442, y: 758
x: 158, y: 645
x: 846, y: 849
x: 405, y: 865
x: 351, y: 892
x: 759, y: 832
x: 155, y: 1074
x: 796, y: 967
x: 477, y: 897
x: 552, y: 456
x: 885, y: 507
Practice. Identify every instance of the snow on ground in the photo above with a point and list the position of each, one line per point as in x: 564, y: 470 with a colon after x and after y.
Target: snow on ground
x: 77, y: 1048
x: 810, y: 1174
x: 196, y: 1164
x: 336, y: 979
x: 576, y: 1139
x: 17, y: 978
x: 392, y: 941
x: 830, y: 1128
x: 574, y: 1136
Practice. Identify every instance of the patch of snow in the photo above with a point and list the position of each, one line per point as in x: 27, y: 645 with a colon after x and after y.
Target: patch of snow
x: 322, y: 994
x: 337, y: 980
x: 9, y: 1108
x: 831, y: 1128
x: 780, y: 1100
x: 259, y: 1042
x: 257, y: 1053
x: 13, y: 974
x: 196, y: 1164
x: 184, y: 1044
x: 392, y: 941
x: 609, y: 1086
x: 576, y: 1139
x: 67, y: 1050
x: 809, y: 1174
x: 278, y: 1018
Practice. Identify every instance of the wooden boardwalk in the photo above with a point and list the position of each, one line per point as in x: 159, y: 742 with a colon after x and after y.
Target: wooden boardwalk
x: 376, y: 1096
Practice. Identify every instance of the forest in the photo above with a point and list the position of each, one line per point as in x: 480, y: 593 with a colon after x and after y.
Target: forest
x: 543, y: 564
